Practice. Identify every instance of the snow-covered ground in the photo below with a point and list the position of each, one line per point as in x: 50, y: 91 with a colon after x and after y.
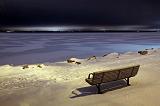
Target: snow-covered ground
x: 63, y: 84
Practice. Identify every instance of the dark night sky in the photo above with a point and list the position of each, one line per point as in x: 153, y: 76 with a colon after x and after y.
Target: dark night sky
x: 79, y: 12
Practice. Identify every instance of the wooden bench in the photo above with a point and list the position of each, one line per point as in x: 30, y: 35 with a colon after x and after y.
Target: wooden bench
x: 97, y: 78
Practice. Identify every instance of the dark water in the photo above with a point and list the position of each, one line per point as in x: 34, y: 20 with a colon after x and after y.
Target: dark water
x: 27, y: 48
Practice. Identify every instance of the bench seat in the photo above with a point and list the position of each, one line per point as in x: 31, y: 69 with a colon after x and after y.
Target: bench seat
x: 97, y: 78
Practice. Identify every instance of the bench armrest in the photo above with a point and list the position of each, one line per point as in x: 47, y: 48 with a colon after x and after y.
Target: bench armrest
x: 89, y: 76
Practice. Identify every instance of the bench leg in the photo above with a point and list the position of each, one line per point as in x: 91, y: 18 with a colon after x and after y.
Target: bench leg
x: 128, y: 82
x: 98, y: 88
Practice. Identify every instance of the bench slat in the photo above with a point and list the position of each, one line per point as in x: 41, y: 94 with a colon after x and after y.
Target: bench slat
x: 135, y: 71
x: 125, y: 73
x: 110, y: 76
x: 97, y: 78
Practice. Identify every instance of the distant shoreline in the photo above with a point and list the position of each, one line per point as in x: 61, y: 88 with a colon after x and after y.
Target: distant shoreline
x: 85, y: 31
x: 81, y: 29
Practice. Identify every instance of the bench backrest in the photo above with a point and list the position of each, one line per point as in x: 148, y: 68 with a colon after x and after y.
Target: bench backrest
x: 116, y: 74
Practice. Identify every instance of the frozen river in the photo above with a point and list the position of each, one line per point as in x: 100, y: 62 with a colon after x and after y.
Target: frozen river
x: 27, y: 48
